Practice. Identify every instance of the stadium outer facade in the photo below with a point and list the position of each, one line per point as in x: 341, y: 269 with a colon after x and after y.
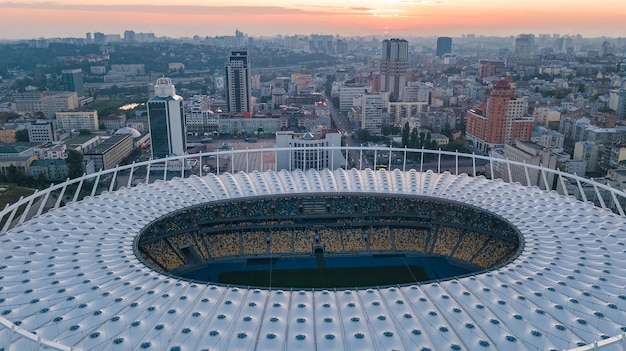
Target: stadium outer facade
x: 70, y: 279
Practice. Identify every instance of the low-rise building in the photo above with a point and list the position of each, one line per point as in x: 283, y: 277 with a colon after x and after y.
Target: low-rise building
x: 547, y: 137
x: 41, y: 131
x: 544, y: 115
x: 399, y: 111
x: 529, y: 153
x: 613, y: 156
x: 306, y: 152
x: 440, y: 139
x: 114, y: 121
x: 8, y: 132
x: 53, y: 169
x: 47, y: 103
x: 110, y: 152
x: 589, y: 152
x: 78, y: 120
x: 16, y: 164
x: 51, y: 151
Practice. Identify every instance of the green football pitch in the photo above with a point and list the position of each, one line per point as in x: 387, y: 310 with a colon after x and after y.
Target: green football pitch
x: 346, y: 277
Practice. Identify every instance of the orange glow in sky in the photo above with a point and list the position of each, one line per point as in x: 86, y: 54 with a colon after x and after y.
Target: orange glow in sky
x: 23, y: 19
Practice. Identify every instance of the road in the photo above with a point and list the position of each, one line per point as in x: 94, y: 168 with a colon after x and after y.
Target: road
x: 347, y: 128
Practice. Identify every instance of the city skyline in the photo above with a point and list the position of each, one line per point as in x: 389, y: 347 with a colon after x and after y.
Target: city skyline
x: 392, y: 18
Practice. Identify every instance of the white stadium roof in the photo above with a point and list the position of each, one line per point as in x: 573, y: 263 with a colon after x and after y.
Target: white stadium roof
x: 71, y: 276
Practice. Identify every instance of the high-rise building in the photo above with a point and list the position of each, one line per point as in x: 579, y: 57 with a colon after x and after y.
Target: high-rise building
x: 129, y: 36
x: 347, y: 93
x: 444, y: 46
x: 73, y: 81
x: 394, y: 66
x: 617, y: 102
x: 501, y: 120
x: 99, y: 38
x: 166, y: 120
x: 371, y: 109
x: 524, y: 44
x: 240, y: 39
x: 238, y: 94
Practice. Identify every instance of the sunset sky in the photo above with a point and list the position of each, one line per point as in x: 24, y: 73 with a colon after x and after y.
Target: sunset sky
x: 25, y: 19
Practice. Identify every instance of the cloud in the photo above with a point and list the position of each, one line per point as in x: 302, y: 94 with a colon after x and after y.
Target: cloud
x: 415, y: 2
x: 360, y: 8
x: 175, y: 9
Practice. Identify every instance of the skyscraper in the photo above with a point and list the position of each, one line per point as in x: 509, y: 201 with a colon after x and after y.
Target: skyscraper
x: 444, y: 46
x: 394, y: 66
x: 130, y: 36
x: 240, y: 39
x: 238, y: 82
x: 73, y: 81
x: 167, y: 121
x: 501, y: 120
x: 524, y: 45
x: 99, y: 38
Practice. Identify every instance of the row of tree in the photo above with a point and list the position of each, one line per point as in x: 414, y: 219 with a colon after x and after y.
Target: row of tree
x: 414, y: 139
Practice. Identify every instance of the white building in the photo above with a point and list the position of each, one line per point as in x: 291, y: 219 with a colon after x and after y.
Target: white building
x: 449, y: 59
x: 41, y: 131
x: 312, y: 156
x: 547, y: 137
x: 417, y: 92
x: 47, y: 103
x: 529, y: 153
x: 578, y: 167
x: 347, y: 93
x: 279, y: 97
x: 371, y: 111
x: 545, y: 115
x: 51, y: 151
x: 78, y: 120
x: 199, y: 118
x: 400, y: 111
x: 167, y: 121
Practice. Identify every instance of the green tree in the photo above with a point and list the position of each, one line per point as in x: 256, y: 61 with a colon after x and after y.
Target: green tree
x: 406, y: 132
x: 41, y: 179
x: 390, y: 130
x: 74, y: 162
x: 413, y: 140
x: 364, y: 135
x: 22, y: 135
x: 560, y: 93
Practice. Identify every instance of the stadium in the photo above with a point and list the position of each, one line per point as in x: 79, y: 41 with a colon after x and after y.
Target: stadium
x: 543, y: 271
